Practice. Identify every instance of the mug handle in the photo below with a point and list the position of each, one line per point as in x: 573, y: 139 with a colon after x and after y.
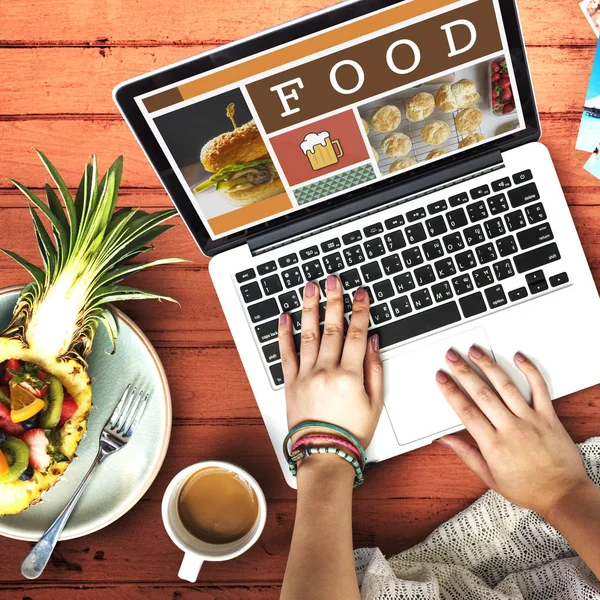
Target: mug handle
x: 190, y: 567
x: 337, y: 144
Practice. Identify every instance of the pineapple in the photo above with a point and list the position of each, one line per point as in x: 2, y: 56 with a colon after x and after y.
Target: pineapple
x: 56, y: 316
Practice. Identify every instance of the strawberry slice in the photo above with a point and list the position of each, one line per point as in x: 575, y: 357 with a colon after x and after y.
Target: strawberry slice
x: 6, y: 424
x: 69, y: 408
x: 36, y: 439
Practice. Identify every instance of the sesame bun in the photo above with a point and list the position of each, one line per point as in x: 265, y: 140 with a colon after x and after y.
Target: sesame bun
x: 468, y: 121
x: 436, y: 133
x: 420, y: 107
x: 253, y: 194
x: 396, y: 144
x: 386, y: 118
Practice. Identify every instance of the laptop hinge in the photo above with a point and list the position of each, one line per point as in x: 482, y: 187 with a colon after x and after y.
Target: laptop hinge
x: 373, y: 203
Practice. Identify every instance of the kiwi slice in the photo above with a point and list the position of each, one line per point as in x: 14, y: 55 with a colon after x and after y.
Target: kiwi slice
x: 16, y: 452
x: 50, y: 415
x: 4, y: 399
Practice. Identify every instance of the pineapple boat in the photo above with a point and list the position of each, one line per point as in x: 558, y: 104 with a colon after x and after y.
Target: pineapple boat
x: 45, y: 389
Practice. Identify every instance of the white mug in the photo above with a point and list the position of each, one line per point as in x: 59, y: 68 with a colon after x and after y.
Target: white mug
x: 197, y: 551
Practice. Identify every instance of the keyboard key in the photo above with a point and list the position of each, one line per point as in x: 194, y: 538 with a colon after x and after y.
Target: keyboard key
x: 371, y: 272
x: 436, y: 226
x: 477, y: 212
x: 535, y: 213
x: 297, y: 320
x: 437, y: 207
x: 462, y: 284
x: 458, y: 199
x: 433, y: 249
x: 330, y: 245
x: 354, y: 255
x: 412, y: 257
x: 271, y: 285
x: 333, y: 263
x: 522, y: 177
x: 347, y: 303
x: 421, y: 299
x: 391, y: 264
x: 383, y: 290
x: 486, y: 253
x: 483, y: 277
x: 506, y: 245
x: 418, y: 324
x: 401, y: 306
x: 457, y: 218
x: 523, y: 194
x: 424, y: 275
x: 465, y: 260
x: 350, y: 279
x: 352, y: 237
x: 271, y: 352
x: 313, y: 270
x: 495, y: 296
x: 559, y: 279
x: 453, y: 242
x: 503, y: 270
x: 277, y: 374
x: 267, y: 331
x: 445, y: 268
x: 494, y: 228
x: 370, y: 294
x: 309, y: 253
x: 517, y: 294
x: 380, y: 314
x: 322, y: 310
x: 441, y: 291
x: 289, y: 301
x: 374, y: 229
x: 292, y: 278
x: 474, y: 235
x: 415, y: 233
x: 497, y: 204
x: 415, y: 215
x: 501, y: 184
x: 404, y: 282
x: 374, y: 248
x: 536, y: 282
x: 480, y: 192
x: 263, y: 310
x: 537, y: 257
x: 286, y: 261
x: 323, y: 286
x: 246, y: 275
x: 535, y: 235
x: 394, y: 222
x: 395, y: 241
x: 266, y: 268
x: 515, y: 220
x: 473, y: 305
x: 251, y: 292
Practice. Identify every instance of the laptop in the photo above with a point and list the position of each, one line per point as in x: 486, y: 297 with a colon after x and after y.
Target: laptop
x: 394, y: 144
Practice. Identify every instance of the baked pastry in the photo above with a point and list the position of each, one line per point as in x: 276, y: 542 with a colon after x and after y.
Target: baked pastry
x: 375, y: 154
x: 396, y: 144
x: 420, y: 107
x: 474, y: 138
x: 403, y: 163
x: 445, y: 99
x: 436, y: 133
x: 436, y: 153
x: 468, y: 121
x: 365, y: 126
x: 459, y: 95
x: 386, y: 118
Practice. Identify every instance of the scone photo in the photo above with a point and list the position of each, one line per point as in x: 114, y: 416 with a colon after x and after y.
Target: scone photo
x: 385, y: 118
x: 403, y: 163
x: 419, y: 107
x: 396, y: 145
x: 470, y: 140
x: 460, y: 95
x: 436, y: 153
x: 468, y: 121
x: 436, y: 133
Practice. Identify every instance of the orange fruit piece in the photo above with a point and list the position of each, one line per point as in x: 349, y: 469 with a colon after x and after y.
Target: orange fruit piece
x: 3, y: 463
x: 23, y: 404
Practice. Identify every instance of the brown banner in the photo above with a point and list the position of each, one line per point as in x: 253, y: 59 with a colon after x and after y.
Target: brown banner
x: 376, y: 66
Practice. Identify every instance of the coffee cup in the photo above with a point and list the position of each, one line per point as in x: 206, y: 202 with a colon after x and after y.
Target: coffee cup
x: 197, y: 550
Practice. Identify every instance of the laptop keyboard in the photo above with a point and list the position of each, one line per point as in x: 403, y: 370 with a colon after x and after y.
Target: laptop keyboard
x: 424, y: 269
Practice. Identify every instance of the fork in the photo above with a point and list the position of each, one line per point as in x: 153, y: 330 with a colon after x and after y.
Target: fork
x: 116, y: 433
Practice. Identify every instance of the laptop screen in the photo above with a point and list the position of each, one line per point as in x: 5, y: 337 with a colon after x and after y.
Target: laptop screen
x: 314, y: 119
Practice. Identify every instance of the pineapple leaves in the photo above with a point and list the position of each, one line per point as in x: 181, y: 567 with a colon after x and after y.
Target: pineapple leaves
x: 34, y: 271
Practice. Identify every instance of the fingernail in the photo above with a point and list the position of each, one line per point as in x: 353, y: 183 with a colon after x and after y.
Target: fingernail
x: 309, y: 290
x: 359, y: 294
x: 520, y: 357
x: 441, y: 376
x: 283, y: 318
x: 375, y: 342
x: 476, y: 352
x: 452, y: 356
x: 442, y: 442
x: 331, y: 282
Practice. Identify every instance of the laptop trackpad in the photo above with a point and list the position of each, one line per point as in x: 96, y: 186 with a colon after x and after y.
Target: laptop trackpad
x: 413, y: 401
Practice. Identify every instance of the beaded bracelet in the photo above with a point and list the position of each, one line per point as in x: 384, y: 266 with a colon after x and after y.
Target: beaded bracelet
x: 308, y: 451
x: 305, y: 441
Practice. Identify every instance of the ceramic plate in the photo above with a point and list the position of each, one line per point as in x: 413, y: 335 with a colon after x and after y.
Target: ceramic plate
x: 123, y: 478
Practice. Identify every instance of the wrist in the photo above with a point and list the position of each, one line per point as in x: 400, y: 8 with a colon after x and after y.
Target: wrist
x: 325, y: 468
x: 578, y: 495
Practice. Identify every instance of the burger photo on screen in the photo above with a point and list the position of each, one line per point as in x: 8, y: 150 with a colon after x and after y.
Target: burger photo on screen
x: 243, y: 170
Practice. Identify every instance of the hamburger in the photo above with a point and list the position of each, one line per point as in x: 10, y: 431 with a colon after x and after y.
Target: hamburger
x: 243, y: 170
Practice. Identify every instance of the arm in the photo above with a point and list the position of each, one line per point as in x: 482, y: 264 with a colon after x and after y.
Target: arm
x: 340, y: 382
x: 523, y: 452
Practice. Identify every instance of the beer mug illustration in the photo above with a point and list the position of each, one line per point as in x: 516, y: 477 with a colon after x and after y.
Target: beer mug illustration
x: 321, y: 150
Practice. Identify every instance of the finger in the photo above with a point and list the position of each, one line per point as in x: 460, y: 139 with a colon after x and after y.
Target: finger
x: 289, y: 359
x: 470, y: 456
x: 373, y: 367
x: 472, y: 418
x: 481, y: 393
x: 309, y: 338
x: 503, y: 384
x: 355, y: 346
x: 539, y: 388
x: 333, y: 329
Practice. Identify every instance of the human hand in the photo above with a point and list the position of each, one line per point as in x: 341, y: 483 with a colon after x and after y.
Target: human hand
x: 335, y: 381
x: 524, y: 451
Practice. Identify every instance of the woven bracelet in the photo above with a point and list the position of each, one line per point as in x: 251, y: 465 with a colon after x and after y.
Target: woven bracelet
x: 311, y: 450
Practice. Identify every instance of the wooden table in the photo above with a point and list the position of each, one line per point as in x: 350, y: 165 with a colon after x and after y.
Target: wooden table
x: 59, y: 61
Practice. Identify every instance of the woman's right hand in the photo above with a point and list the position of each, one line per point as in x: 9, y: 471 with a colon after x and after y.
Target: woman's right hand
x: 524, y: 452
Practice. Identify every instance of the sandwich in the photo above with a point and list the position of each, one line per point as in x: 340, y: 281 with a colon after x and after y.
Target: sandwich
x: 243, y: 170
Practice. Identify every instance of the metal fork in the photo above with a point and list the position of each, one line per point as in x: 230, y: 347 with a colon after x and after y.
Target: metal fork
x: 116, y: 433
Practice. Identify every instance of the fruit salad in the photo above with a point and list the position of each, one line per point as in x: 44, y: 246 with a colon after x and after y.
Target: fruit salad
x: 503, y: 102
x: 34, y: 406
